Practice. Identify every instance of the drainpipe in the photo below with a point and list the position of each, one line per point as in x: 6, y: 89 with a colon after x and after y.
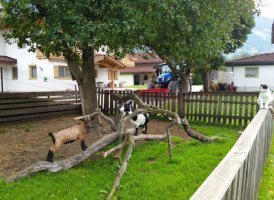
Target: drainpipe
x: 2, y: 89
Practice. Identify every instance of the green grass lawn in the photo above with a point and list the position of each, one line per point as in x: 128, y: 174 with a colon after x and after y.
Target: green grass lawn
x: 267, y: 186
x: 150, y: 173
x: 137, y: 87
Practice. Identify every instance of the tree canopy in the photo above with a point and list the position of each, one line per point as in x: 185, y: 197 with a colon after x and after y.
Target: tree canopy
x: 71, y: 28
x: 192, y: 33
x: 184, y: 32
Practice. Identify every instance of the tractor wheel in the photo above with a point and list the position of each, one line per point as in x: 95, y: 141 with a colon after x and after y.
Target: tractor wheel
x: 173, y: 86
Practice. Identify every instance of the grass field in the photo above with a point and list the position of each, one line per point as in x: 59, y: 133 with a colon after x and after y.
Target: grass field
x: 137, y: 87
x: 150, y: 173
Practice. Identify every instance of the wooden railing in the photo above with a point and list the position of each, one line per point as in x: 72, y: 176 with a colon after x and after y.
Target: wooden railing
x: 26, y: 105
x: 235, y: 108
x: 239, y: 174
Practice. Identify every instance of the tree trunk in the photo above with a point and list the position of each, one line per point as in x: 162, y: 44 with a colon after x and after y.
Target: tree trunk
x: 206, y: 80
x: 185, y: 84
x: 85, y: 77
x: 88, y: 87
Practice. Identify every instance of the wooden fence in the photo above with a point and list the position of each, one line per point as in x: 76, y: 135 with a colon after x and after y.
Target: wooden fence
x: 26, y: 105
x: 213, y: 108
x: 235, y: 108
x: 239, y: 174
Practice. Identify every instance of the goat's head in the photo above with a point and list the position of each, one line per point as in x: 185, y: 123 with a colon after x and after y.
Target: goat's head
x: 87, y: 121
x: 264, y: 88
x: 126, y: 108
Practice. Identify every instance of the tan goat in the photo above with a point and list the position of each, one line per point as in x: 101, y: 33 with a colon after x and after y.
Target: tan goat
x: 68, y: 135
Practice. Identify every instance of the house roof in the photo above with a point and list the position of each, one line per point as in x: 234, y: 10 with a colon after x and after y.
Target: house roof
x: 262, y: 59
x: 144, y: 58
x: 144, y: 63
x: 107, y: 61
x: 7, y: 60
x: 137, y: 70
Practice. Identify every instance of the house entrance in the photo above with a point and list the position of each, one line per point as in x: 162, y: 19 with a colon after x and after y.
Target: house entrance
x: 136, y: 79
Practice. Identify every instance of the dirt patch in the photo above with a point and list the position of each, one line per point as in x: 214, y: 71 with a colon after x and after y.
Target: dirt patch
x: 25, y: 142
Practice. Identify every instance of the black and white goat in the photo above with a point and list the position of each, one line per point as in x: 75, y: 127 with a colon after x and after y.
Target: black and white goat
x: 138, y: 120
x: 68, y: 135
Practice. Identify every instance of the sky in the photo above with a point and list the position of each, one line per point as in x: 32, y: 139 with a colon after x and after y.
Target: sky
x: 268, y: 9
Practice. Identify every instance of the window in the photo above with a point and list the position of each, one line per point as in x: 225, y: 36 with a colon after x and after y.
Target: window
x: 33, y: 71
x: 61, y: 72
x: 252, y: 72
x: 145, y: 77
x: 14, y: 73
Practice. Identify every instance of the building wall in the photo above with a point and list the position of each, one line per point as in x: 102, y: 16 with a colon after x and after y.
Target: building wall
x: 45, y: 72
x: 143, y: 81
x: 127, y: 79
x: 102, y: 76
x: 266, y: 76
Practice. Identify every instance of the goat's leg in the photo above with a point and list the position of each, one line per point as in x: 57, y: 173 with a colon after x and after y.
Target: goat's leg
x: 83, y: 145
x: 53, y: 149
x: 145, y: 129
x: 268, y: 104
x: 261, y: 103
x: 136, y: 131
x: 50, y: 156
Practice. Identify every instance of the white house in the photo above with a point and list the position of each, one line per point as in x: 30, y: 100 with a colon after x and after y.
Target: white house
x: 250, y: 72
x: 144, y: 70
x: 21, y: 70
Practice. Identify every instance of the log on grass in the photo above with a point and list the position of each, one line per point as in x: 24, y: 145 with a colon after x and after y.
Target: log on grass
x: 74, y: 160
x: 67, y: 163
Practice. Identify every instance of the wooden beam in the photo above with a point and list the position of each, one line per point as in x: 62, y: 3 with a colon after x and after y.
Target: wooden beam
x: 112, y: 78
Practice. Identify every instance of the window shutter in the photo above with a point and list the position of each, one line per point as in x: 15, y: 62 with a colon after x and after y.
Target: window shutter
x: 56, y: 72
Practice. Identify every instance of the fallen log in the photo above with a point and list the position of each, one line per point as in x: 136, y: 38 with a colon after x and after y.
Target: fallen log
x: 78, y: 158
x: 67, y: 163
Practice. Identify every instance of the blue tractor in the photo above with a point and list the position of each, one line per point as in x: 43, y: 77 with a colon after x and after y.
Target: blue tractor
x: 165, y: 79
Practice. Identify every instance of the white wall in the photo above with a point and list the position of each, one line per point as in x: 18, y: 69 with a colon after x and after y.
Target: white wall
x: 102, y: 76
x: 45, y: 69
x: 266, y: 76
x: 127, y: 78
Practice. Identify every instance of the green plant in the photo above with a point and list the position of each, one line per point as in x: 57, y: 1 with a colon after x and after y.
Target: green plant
x: 2, y: 130
x: 25, y: 127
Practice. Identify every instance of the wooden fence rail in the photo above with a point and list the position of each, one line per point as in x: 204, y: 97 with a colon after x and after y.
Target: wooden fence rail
x: 235, y: 108
x: 239, y: 174
x: 26, y: 105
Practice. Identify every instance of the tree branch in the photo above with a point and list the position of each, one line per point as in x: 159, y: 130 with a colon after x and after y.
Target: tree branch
x: 124, y: 165
x: 103, y: 116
